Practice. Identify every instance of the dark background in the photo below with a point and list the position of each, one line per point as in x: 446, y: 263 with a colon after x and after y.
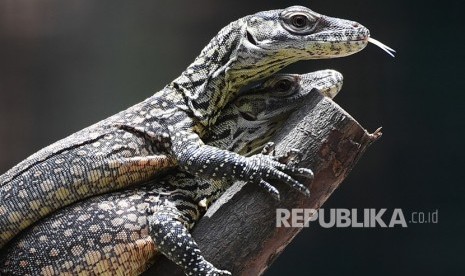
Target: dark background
x: 67, y: 64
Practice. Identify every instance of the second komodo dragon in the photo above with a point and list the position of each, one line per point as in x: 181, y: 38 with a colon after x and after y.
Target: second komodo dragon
x: 119, y: 233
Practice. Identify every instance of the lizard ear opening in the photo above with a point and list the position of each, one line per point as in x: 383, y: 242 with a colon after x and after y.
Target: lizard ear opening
x: 251, y: 39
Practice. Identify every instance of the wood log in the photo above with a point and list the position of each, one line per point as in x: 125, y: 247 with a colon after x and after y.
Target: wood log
x: 239, y: 232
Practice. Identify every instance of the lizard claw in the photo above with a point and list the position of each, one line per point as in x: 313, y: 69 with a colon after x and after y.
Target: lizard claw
x: 220, y: 273
x: 304, y: 172
x: 269, y: 149
x: 291, y: 157
x: 270, y: 189
x: 266, y: 167
x: 207, y: 269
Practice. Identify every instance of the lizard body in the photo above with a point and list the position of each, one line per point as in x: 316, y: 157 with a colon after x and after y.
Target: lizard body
x: 116, y: 233
x: 166, y: 130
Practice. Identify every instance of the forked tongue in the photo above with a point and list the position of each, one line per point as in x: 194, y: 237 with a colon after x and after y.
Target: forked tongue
x: 385, y: 48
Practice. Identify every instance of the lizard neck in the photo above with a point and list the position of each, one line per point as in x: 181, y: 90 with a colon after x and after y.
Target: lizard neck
x: 206, y: 85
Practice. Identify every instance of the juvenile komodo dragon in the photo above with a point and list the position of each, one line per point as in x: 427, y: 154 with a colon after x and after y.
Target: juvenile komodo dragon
x: 168, y: 128
x: 119, y: 233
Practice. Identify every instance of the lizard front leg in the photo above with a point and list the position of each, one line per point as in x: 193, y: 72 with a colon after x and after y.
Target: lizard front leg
x: 174, y: 241
x: 207, y: 161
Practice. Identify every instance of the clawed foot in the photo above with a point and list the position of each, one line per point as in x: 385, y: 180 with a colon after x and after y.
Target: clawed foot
x: 268, y: 166
x: 207, y: 269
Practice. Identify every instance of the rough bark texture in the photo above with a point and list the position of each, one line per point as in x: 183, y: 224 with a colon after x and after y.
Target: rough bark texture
x: 239, y: 232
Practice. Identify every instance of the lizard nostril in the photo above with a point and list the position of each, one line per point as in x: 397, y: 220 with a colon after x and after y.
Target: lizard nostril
x: 355, y: 24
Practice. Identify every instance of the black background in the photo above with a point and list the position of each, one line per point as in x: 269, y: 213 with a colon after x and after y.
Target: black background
x: 67, y: 64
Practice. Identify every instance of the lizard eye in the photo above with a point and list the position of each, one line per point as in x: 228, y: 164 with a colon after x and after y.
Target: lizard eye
x: 283, y: 85
x: 298, y: 22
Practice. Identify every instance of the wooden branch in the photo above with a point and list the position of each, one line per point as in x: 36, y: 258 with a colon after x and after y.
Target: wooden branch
x: 239, y: 232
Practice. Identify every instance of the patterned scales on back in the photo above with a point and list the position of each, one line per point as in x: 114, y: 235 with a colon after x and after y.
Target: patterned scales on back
x: 116, y: 233
x: 167, y: 129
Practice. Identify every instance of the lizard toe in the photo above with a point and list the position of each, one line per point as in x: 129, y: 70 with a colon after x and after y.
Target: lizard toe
x: 270, y: 189
x: 284, y: 177
x: 291, y: 157
x: 269, y: 149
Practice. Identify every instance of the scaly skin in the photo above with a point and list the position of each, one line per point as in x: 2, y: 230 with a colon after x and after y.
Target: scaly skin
x: 119, y: 233
x: 168, y: 129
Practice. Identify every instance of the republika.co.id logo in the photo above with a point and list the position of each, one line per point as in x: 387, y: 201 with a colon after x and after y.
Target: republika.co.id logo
x: 355, y: 218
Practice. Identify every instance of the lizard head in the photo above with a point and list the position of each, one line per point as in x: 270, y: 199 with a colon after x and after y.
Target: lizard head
x: 298, y: 32
x: 261, y: 110
x: 257, y: 46
x: 282, y: 93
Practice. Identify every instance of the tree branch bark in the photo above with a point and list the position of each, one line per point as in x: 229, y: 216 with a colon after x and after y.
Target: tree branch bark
x: 239, y: 232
